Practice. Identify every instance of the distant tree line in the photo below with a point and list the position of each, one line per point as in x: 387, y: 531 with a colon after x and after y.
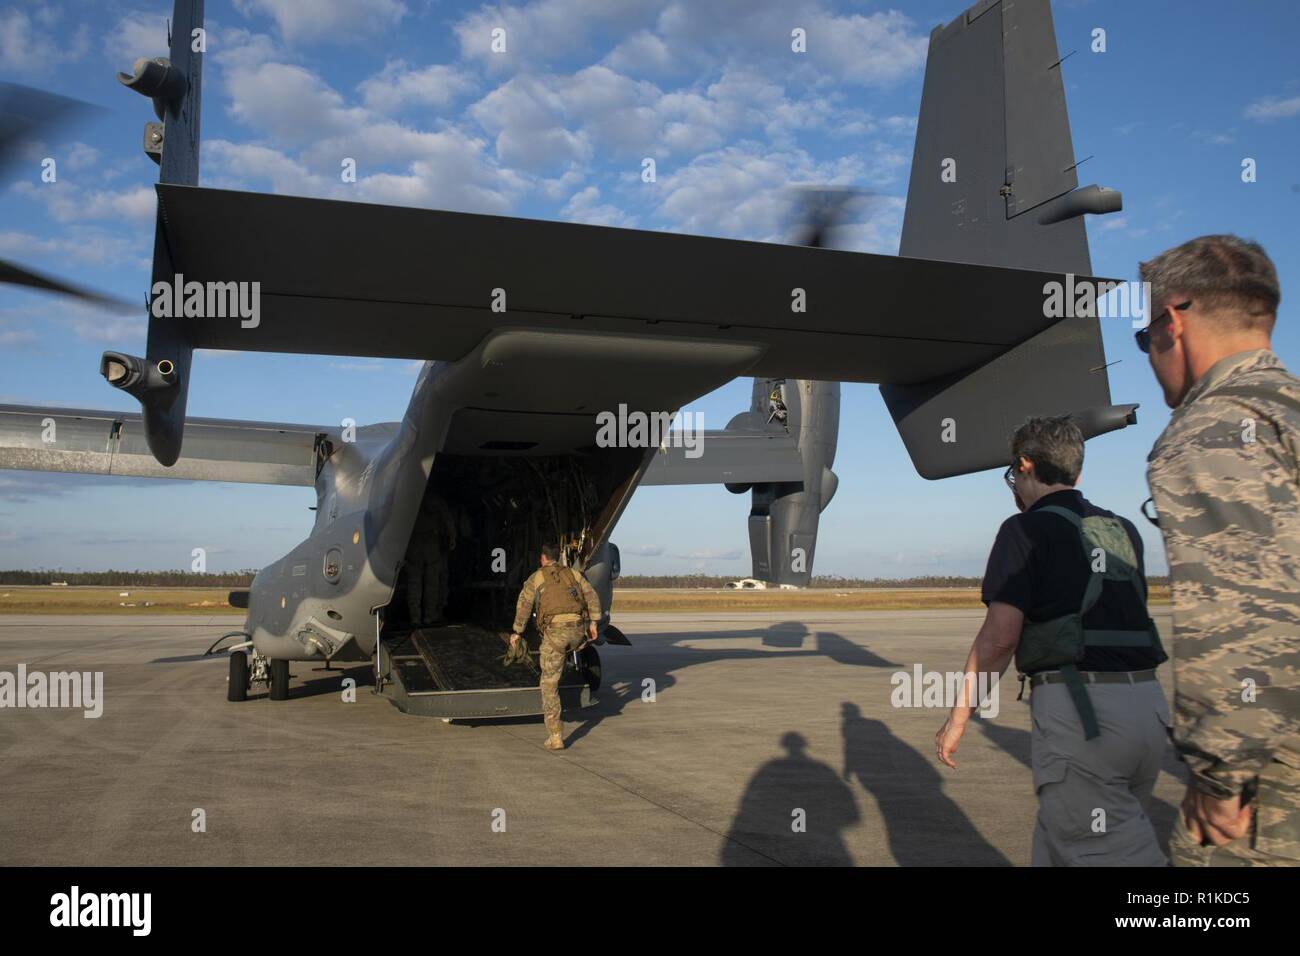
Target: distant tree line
x: 132, y: 579
x: 244, y: 578
x: 818, y: 581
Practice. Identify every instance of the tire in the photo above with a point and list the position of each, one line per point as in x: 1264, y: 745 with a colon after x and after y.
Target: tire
x: 279, y: 679
x: 237, y: 689
x: 590, y: 662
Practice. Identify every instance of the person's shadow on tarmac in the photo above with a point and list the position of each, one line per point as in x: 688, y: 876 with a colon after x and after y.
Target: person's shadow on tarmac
x: 925, y: 826
x: 793, y: 812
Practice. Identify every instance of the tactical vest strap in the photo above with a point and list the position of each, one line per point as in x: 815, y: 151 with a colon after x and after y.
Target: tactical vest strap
x: 1065, y: 513
x: 1059, y: 644
x: 1082, y: 702
x: 1117, y: 638
x: 561, y: 594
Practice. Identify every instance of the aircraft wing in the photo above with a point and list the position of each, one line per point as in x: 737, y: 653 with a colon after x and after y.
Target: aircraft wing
x: 343, y: 278
x: 725, y: 457
x: 112, y: 443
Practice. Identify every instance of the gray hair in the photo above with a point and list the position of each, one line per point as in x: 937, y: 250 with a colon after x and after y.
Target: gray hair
x: 1224, y: 273
x: 1054, y: 445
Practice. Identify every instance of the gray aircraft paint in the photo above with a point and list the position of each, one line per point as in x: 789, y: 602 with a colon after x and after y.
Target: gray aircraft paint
x: 956, y: 322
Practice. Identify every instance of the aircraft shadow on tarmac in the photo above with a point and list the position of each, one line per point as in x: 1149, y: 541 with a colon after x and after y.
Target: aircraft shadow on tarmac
x: 1016, y: 742
x: 791, y: 636
x: 320, y: 681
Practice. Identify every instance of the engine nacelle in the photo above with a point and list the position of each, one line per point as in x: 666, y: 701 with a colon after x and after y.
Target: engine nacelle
x: 784, y: 517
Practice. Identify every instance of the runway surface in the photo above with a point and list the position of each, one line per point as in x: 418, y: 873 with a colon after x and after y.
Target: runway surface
x: 755, y: 718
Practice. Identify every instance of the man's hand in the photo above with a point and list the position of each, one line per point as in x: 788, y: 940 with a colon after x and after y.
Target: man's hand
x: 591, y: 633
x: 513, y: 638
x: 948, y: 737
x: 1213, y: 820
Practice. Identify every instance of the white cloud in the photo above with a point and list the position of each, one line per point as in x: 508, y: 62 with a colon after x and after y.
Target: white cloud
x: 82, y: 243
x: 110, y: 330
x: 239, y: 165
x: 27, y: 47
x: 643, y: 52
x: 741, y: 191
x: 237, y: 48
x: 81, y: 157
x: 643, y: 551
x: 709, y: 554
x: 527, y: 116
x: 290, y: 102
x: 546, y: 29
x: 314, y: 129
x: 136, y: 35
x: 86, y: 322
x: 398, y: 86
x: 67, y: 201
x: 874, y: 50
x: 451, y: 172
x: 547, y: 122
x: 15, y: 338
x: 340, y: 21
x: 1273, y: 107
x: 585, y: 206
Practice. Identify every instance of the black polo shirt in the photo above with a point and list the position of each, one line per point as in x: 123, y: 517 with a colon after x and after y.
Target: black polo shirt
x: 1039, y: 566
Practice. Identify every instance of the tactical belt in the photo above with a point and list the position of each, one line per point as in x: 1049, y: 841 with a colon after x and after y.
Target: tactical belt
x: 566, y: 618
x: 1093, y: 677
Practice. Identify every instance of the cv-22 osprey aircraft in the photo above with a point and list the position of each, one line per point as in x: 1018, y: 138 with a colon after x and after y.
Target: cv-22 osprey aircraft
x: 529, y: 330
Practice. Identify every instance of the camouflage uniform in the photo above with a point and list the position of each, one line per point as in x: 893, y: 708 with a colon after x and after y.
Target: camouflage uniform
x: 1229, y: 510
x: 561, y: 635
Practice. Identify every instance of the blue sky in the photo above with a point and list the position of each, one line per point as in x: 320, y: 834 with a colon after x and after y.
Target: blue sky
x: 556, y: 129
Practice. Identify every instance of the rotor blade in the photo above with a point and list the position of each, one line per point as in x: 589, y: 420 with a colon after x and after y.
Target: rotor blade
x: 819, y: 209
x: 24, y: 112
x: 17, y: 276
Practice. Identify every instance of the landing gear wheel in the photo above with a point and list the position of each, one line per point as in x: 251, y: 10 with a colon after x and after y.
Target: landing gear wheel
x: 590, y: 661
x: 279, y: 679
x: 238, y: 687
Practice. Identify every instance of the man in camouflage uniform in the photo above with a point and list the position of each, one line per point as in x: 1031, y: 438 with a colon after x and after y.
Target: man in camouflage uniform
x: 427, y: 561
x: 567, y: 612
x: 1225, y: 480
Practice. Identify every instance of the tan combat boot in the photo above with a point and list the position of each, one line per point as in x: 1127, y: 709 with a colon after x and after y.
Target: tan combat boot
x: 554, y: 742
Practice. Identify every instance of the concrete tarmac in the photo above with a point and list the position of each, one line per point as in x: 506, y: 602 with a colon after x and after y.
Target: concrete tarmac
x: 757, y: 721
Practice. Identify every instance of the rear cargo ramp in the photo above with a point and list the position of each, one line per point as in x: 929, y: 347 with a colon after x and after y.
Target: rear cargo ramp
x: 455, y: 671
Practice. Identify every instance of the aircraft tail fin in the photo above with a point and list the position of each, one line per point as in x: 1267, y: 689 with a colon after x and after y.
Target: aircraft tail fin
x: 994, y: 183
x: 174, y: 83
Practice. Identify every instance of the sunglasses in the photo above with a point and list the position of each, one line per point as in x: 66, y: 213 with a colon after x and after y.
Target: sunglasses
x: 1143, y: 336
x: 1009, y: 476
x: 1148, y: 509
